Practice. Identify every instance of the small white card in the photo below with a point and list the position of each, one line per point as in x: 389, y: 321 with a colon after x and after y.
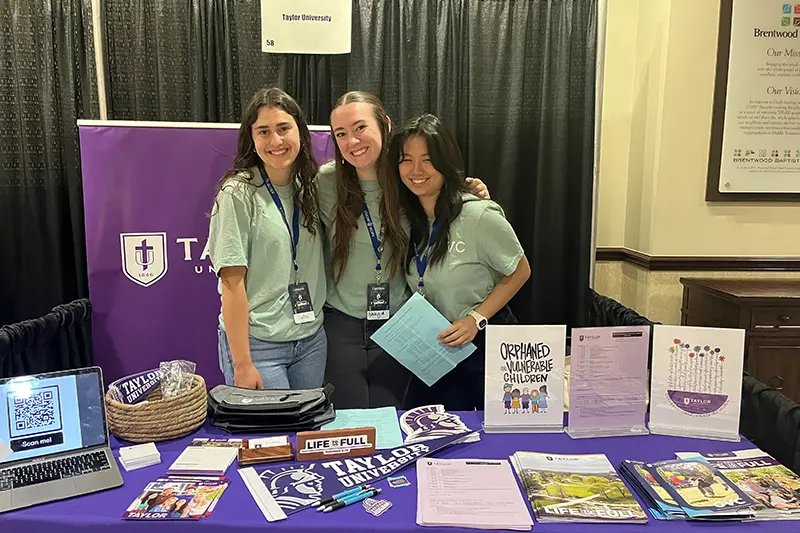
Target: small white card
x: 139, y: 451
x: 267, y: 442
x: 5, y: 451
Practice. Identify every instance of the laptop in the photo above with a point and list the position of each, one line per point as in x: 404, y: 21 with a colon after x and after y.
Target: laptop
x: 53, y: 438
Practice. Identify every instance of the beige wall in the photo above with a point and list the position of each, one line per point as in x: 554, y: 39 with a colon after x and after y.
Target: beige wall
x: 657, y: 103
x: 660, y: 61
x: 658, y: 294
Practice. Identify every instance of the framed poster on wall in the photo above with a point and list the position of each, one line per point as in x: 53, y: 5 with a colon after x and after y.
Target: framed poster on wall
x: 755, y: 136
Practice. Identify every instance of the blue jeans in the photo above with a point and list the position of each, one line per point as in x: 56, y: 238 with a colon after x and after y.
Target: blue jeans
x: 282, y: 365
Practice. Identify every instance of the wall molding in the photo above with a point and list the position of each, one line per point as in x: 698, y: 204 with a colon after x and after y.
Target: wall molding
x: 697, y: 263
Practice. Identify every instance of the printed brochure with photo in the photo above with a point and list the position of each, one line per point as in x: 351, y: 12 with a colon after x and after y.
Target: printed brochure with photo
x: 575, y: 488
x: 179, y: 498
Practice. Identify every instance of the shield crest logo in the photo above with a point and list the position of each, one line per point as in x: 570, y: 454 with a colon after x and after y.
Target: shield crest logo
x: 144, y: 257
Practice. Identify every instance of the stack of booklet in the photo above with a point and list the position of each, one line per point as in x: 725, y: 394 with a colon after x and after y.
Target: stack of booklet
x: 687, y: 490
x: 775, y: 488
x: 575, y: 488
x: 177, y: 498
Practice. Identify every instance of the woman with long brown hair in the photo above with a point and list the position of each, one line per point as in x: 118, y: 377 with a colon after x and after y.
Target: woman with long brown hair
x: 265, y: 242
x: 367, y: 249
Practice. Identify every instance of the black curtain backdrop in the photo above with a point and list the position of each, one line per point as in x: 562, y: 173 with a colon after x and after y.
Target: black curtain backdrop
x: 47, y: 82
x: 171, y: 60
x: 515, y: 81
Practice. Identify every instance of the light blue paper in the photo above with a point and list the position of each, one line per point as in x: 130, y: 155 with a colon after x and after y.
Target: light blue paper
x: 411, y: 337
x: 383, y: 419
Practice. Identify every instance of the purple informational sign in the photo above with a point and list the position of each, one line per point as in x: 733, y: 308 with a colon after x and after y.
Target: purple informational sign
x: 608, y: 381
x: 147, y: 190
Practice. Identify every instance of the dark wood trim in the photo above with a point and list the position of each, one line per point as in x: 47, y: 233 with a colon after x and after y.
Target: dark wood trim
x: 697, y: 263
x: 718, y: 123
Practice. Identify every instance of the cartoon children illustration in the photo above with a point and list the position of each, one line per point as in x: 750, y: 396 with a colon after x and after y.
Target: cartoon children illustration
x: 515, y: 400
x: 534, y: 401
x: 507, y: 397
x: 543, y: 398
x: 525, y: 398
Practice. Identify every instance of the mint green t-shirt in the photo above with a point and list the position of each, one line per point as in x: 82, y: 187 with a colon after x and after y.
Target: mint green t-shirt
x: 483, y: 249
x: 247, y: 229
x: 349, y: 294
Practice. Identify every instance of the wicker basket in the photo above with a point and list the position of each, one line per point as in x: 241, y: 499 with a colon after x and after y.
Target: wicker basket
x: 159, y: 419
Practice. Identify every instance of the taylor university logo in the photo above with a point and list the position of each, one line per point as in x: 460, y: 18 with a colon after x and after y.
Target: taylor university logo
x: 144, y: 257
x: 295, y: 486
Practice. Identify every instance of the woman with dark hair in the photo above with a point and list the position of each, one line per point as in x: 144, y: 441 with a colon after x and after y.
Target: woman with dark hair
x: 464, y: 256
x: 366, y: 249
x: 266, y: 246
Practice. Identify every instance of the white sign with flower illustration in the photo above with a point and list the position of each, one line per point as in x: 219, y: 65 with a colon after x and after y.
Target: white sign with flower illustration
x: 696, y: 384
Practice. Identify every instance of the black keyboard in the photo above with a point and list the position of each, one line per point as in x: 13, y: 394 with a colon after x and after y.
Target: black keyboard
x: 35, y: 473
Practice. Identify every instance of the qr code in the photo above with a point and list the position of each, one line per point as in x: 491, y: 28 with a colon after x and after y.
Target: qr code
x: 36, y: 412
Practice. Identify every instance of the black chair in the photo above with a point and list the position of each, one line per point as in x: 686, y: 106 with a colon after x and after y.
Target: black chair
x: 771, y: 421
x: 607, y: 312
x: 59, y: 340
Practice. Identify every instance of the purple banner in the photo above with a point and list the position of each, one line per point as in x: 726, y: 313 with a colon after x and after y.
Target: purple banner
x: 147, y: 189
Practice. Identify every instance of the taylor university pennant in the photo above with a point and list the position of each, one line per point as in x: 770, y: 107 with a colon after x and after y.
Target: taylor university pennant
x: 133, y: 389
x: 295, y: 486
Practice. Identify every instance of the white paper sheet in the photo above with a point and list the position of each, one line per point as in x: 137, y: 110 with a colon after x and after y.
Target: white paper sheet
x: 473, y: 493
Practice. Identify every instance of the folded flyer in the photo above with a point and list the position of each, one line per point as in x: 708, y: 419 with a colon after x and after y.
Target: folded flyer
x: 575, y: 488
x: 179, y: 498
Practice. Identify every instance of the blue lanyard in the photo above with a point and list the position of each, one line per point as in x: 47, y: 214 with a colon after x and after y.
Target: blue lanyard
x: 422, y: 262
x: 294, y: 231
x: 377, y: 245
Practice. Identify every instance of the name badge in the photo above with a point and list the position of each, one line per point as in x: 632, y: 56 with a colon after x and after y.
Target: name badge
x: 378, y: 301
x: 301, y: 303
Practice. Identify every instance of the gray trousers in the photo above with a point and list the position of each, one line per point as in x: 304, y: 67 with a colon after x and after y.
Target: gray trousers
x: 364, y: 375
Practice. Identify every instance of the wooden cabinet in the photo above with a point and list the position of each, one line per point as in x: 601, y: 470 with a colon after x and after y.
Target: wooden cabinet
x: 769, y: 312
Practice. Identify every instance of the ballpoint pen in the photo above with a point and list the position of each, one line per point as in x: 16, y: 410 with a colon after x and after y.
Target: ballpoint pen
x: 352, y: 499
x: 340, y: 496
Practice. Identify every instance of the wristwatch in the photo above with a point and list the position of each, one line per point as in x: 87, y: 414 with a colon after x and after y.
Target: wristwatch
x: 480, y: 320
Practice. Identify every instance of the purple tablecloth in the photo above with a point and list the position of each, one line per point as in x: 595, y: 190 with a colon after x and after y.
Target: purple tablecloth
x: 237, y: 511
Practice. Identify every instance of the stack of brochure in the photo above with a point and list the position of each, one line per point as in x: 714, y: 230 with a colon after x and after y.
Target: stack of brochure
x: 692, y: 490
x: 139, y: 456
x: 775, y: 488
x: 177, y: 498
x: 662, y: 505
x: 576, y: 488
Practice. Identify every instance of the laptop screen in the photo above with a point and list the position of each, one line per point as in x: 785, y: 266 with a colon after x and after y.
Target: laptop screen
x: 51, y: 413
